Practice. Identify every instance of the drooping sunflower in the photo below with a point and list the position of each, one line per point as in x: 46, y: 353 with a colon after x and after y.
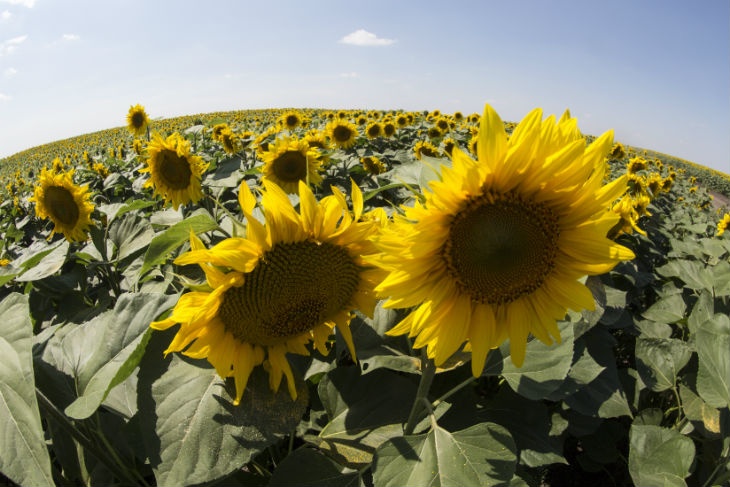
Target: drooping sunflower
x: 342, y: 133
x: 289, y: 160
x: 425, y: 148
x: 373, y: 165
x: 289, y: 283
x: 66, y: 204
x: 175, y: 172
x: 497, y: 249
x: 137, y: 120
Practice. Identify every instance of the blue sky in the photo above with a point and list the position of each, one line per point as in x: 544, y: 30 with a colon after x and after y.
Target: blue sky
x: 657, y: 72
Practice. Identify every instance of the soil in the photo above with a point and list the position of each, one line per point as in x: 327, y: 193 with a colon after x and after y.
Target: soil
x: 719, y: 200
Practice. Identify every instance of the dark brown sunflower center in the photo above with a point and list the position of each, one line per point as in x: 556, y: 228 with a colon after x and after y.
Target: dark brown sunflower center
x: 138, y: 119
x: 291, y: 166
x: 342, y: 133
x: 292, y: 121
x: 61, y: 204
x: 294, y: 288
x: 174, y: 169
x: 501, y: 247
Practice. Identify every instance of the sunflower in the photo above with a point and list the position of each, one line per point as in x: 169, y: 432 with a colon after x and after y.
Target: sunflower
x: 290, y: 119
x: 137, y: 120
x: 230, y: 141
x: 66, y: 204
x: 342, y: 133
x: 290, y: 282
x: 373, y: 165
x: 175, y: 172
x: 723, y: 225
x: 425, y: 148
x: 374, y: 130
x: 289, y: 160
x: 497, y: 249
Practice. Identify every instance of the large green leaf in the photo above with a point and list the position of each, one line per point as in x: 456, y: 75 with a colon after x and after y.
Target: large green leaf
x: 192, y: 432
x: 42, y: 260
x: 23, y: 453
x: 130, y: 234
x: 484, y: 454
x: 360, y: 419
x: 305, y: 467
x: 703, y: 310
x: 669, y: 309
x: 712, y: 340
x: 173, y: 237
x: 529, y: 424
x: 659, y: 456
x: 544, y: 369
x: 124, y: 334
x: 659, y: 360
x: 694, y: 273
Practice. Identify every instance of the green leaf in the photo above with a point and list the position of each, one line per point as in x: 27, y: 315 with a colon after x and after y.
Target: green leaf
x: 603, y: 396
x: 23, y: 453
x: 484, y: 454
x: 704, y: 417
x: 125, y: 331
x: 529, y: 424
x: 669, y: 309
x: 431, y: 169
x: 659, y: 361
x: 130, y: 234
x: 693, y: 273
x: 192, y: 432
x: 712, y: 340
x: 702, y: 311
x: 359, y: 420
x: 306, y: 467
x: 173, y: 237
x: 544, y: 369
x: 43, y: 261
x: 659, y: 456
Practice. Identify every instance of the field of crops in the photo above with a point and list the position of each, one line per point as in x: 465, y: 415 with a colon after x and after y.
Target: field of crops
x: 387, y: 298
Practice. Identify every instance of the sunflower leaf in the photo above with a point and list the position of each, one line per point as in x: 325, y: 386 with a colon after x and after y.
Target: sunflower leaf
x: 164, y: 243
x: 484, y: 454
x: 659, y: 361
x: 42, y: 260
x: 123, y: 336
x: 307, y: 468
x: 713, y: 375
x: 23, y: 454
x: 659, y: 456
x: 191, y: 431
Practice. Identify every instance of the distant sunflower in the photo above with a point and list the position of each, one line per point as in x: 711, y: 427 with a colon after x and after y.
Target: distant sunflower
x: 374, y: 130
x: 290, y: 119
x: 342, y: 133
x: 497, y: 249
x: 175, y: 172
x: 289, y: 160
x: 290, y: 282
x: 230, y: 141
x: 388, y: 129
x: 66, y: 204
x: 425, y: 148
x: 373, y: 165
x: 137, y: 120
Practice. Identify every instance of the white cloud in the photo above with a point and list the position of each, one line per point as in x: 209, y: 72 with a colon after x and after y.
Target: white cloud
x: 361, y: 37
x: 24, y: 3
x: 5, y: 15
x: 6, y: 47
x: 9, y: 72
x: 351, y: 74
x: 70, y: 37
x: 4, y: 97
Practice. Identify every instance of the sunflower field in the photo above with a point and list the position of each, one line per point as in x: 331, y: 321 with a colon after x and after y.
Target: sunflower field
x: 362, y: 297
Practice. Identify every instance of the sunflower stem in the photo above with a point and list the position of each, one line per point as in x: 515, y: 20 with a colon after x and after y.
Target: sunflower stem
x: 428, y: 371
x: 452, y: 391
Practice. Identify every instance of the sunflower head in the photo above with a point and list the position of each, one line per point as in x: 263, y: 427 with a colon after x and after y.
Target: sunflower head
x: 342, y: 133
x: 137, y: 120
x: 291, y: 119
x: 497, y: 249
x: 373, y: 165
x: 723, y: 224
x: 374, y: 130
x: 425, y: 148
x: 296, y: 277
x: 175, y: 172
x: 66, y: 204
x: 289, y: 160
